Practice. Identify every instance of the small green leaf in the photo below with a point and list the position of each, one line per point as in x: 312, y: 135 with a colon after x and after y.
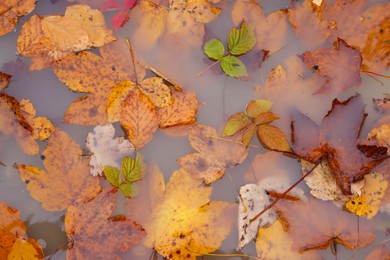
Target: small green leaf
x: 248, y: 134
x: 214, y: 49
x: 256, y: 107
x: 233, y: 67
x: 265, y: 118
x: 128, y: 189
x: 112, y: 175
x: 272, y: 137
x: 241, y: 41
x: 235, y: 123
x: 132, y: 169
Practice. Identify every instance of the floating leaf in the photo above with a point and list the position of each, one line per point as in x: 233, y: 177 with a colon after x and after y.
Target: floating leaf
x: 241, y: 41
x: 235, y: 123
x: 214, y: 49
x: 112, y: 175
x: 272, y: 137
x: 132, y: 169
x: 4, y: 80
x: 248, y: 134
x: 10, y: 11
x: 233, y: 67
x: 265, y: 118
x: 258, y: 106
x: 23, y: 249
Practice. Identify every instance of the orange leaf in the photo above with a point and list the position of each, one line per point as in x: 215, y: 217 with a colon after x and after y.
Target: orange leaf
x: 272, y: 137
x: 67, y: 179
x: 265, y: 118
x: 248, y: 133
x: 10, y: 11
x: 95, y: 234
x: 4, y: 80
x: 139, y: 118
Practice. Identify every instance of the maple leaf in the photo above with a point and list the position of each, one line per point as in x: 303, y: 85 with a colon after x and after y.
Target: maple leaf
x: 312, y: 142
x: 341, y: 66
x: 316, y: 224
x: 50, y: 38
x: 18, y: 119
x: 4, y: 80
x: 106, y: 150
x: 183, y: 222
x: 66, y: 180
x: 109, y: 68
x: 10, y: 10
x: 121, y: 17
x: 213, y: 156
x: 94, y: 233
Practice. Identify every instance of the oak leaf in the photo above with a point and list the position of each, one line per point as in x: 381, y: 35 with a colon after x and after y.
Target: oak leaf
x: 339, y: 148
x: 106, y: 150
x: 4, y: 80
x: 50, y: 38
x: 95, y: 233
x: 66, y: 180
x: 184, y: 223
x: 10, y: 10
x: 341, y: 66
x: 213, y: 156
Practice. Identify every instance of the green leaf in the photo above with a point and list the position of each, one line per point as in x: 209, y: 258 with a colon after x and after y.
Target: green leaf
x: 256, y: 107
x: 241, y: 41
x: 235, y: 123
x: 233, y: 67
x: 214, y: 49
x: 132, y: 169
x: 128, y: 189
x: 112, y: 175
x: 272, y: 137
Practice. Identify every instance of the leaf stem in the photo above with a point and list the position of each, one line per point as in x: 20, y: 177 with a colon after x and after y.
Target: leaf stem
x: 232, y: 141
x: 224, y: 255
x: 208, y: 67
x: 286, y: 191
x: 58, y: 249
x: 132, y: 59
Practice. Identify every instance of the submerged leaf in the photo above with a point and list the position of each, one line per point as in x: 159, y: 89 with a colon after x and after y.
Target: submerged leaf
x: 4, y: 80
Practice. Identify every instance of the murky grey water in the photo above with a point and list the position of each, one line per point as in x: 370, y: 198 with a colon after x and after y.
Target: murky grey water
x: 219, y: 96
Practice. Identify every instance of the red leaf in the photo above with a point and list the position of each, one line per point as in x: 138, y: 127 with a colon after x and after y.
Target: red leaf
x: 119, y: 19
x: 110, y: 5
x: 129, y: 4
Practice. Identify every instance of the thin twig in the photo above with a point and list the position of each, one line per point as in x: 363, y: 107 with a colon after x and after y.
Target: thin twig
x: 58, y: 249
x: 223, y: 255
x: 207, y: 68
x: 132, y: 59
x: 232, y: 141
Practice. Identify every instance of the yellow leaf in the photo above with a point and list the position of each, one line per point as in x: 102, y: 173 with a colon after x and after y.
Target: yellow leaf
x: 23, y: 250
x: 118, y: 94
x: 10, y: 10
x: 50, y: 38
x: 381, y: 136
x: 369, y: 200
x: 155, y: 89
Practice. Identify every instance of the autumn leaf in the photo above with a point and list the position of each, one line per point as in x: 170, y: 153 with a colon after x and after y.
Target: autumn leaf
x: 380, y: 136
x: 121, y: 17
x: 213, y: 156
x: 4, y: 80
x: 95, y: 233
x: 368, y: 202
x: 106, y: 150
x: 184, y: 223
x: 339, y: 148
x: 51, y: 38
x: 66, y: 180
x: 341, y: 66
x: 10, y: 11
x: 315, y: 225
x: 379, y: 253
x: 25, y: 249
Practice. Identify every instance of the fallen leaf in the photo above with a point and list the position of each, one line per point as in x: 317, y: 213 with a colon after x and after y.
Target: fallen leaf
x: 121, y: 17
x: 372, y: 192
x: 50, y: 38
x: 24, y: 249
x: 10, y: 10
x: 184, y: 223
x: 95, y: 233
x: 106, y: 150
x: 316, y: 224
x: 379, y: 253
x: 66, y: 180
x: 213, y: 156
x: 4, y: 80
x: 108, y: 69
x: 341, y: 66
x: 380, y: 136
x: 339, y: 148
x: 381, y: 105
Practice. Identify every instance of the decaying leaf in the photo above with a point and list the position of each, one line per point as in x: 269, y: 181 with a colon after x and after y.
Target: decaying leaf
x: 10, y: 10
x: 108, y: 69
x: 379, y: 253
x: 4, y: 80
x: 253, y: 199
x: 184, y: 223
x: 18, y: 119
x: 348, y: 164
x: 316, y: 224
x: 341, y: 66
x: 47, y: 39
x: 213, y: 156
x: 380, y: 136
x: 67, y: 177
x: 95, y: 233
x: 368, y: 202
x: 106, y: 150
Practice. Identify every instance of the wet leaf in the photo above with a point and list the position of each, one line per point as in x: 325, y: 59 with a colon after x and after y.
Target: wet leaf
x: 66, y: 179
x: 372, y: 192
x: 94, y: 233
x: 272, y: 137
x: 47, y: 39
x: 312, y: 141
x: 265, y: 118
x: 235, y: 123
x: 112, y: 175
x: 341, y: 66
x: 139, y: 118
x: 380, y: 136
x: 241, y: 40
x: 214, y: 49
x: 213, y: 156
x: 248, y: 134
x: 106, y: 150
x: 133, y: 169
x: 23, y: 249
x: 11, y: 10
x: 379, y: 253
x: 4, y: 80
x: 233, y: 67
x: 155, y: 89
x: 258, y: 106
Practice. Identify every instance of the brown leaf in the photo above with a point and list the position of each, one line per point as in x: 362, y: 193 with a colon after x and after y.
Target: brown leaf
x: 265, y: 118
x: 272, y: 137
x: 94, y: 233
x: 341, y: 66
x: 10, y: 10
x: 4, y: 80
x: 139, y: 118
x: 66, y: 179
